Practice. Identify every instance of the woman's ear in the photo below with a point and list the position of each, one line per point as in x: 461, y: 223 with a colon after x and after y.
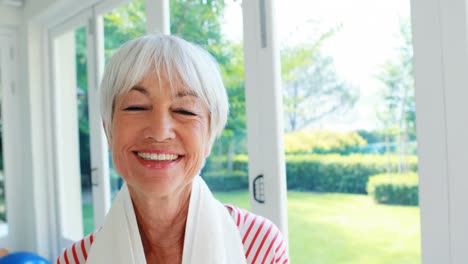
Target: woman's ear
x: 208, y: 150
x: 107, y: 135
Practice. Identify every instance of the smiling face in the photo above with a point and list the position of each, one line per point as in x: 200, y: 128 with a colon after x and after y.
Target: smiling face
x: 159, y: 139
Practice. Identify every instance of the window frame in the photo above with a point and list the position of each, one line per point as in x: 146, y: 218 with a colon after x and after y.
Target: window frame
x: 264, y: 110
x: 440, y: 66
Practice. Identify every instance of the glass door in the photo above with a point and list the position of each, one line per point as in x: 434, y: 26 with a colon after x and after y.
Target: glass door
x: 82, y: 93
x: 350, y: 137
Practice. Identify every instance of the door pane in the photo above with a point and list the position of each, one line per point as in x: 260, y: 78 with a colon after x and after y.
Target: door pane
x: 350, y: 136
x: 217, y: 27
x: 3, y: 211
x: 83, y: 128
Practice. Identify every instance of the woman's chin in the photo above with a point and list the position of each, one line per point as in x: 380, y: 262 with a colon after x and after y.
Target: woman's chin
x: 159, y: 186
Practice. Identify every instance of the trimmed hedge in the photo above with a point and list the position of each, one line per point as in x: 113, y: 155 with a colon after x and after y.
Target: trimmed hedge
x: 223, y: 181
x: 401, y: 189
x: 326, y: 173
x: 336, y: 173
x: 218, y: 164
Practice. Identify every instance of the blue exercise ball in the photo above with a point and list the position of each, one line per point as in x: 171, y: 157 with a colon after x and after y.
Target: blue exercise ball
x: 23, y: 258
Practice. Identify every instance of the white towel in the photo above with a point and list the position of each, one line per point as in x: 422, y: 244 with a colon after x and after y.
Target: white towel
x: 211, y: 236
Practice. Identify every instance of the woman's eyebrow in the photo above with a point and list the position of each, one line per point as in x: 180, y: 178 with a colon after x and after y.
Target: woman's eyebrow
x: 140, y: 89
x: 186, y: 93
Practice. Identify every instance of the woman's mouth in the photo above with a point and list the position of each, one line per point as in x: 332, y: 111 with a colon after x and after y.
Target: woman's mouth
x: 157, y: 156
x: 153, y: 160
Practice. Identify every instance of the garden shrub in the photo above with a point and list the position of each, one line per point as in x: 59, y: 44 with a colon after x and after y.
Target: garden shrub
x: 226, y: 181
x: 337, y: 173
x: 219, y: 163
x: 324, y: 173
x: 400, y: 189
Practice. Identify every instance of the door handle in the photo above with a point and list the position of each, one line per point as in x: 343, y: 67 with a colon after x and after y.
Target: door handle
x: 259, y: 189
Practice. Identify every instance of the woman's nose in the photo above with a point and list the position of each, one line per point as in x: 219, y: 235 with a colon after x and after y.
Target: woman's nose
x: 160, y: 126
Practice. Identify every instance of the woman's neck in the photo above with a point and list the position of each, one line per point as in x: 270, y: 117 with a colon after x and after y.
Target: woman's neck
x: 161, y: 222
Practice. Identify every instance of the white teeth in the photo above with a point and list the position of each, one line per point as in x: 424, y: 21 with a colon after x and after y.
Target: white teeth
x: 156, y: 156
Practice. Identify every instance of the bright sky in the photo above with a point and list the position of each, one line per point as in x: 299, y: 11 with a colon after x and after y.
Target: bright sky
x: 368, y: 37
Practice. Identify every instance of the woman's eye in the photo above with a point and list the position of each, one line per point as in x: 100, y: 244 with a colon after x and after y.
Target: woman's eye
x: 134, y: 108
x: 184, y: 112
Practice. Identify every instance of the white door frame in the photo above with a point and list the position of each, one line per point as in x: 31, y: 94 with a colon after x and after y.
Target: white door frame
x: 440, y: 41
x: 267, y: 171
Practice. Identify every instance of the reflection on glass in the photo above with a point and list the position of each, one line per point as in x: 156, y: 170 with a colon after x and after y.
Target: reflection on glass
x: 121, y: 25
x: 350, y: 136
x: 217, y: 27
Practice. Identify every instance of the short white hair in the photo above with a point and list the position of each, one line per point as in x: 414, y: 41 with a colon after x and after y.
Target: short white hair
x: 182, y: 63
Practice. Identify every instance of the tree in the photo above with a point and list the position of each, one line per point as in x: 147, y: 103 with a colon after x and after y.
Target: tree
x: 399, y: 112
x: 311, y: 86
x: 123, y: 24
x: 317, y: 92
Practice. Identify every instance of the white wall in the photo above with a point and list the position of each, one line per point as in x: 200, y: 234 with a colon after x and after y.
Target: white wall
x: 9, y: 16
x: 35, y: 8
x: 34, y: 219
x: 10, y: 22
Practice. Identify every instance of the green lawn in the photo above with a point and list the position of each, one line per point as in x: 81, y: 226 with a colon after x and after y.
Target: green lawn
x: 88, y: 224
x: 344, y: 228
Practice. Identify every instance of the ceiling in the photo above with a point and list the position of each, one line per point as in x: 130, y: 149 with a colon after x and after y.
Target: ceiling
x: 12, y: 3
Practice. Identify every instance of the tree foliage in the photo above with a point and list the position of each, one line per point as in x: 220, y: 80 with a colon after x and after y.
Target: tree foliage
x: 316, y: 93
x: 398, y: 113
x: 322, y: 142
x: 312, y: 88
x: 201, y: 22
x: 397, y: 75
x: 123, y: 24
x: 295, y: 57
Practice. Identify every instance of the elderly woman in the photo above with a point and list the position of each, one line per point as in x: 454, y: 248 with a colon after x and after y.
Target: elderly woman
x: 163, y: 104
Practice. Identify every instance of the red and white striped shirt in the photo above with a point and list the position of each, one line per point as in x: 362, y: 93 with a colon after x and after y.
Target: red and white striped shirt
x: 262, y: 240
